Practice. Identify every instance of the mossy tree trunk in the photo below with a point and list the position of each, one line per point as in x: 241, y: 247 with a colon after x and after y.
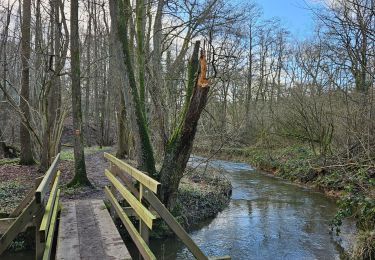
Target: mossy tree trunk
x: 179, y: 145
x: 80, y: 177
x: 147, y: 154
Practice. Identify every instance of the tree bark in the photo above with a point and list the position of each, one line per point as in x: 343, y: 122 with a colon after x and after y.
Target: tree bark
x: 147, y: 160
x: 181, y: 143
x: 80, y: 177
x: 26, y: 156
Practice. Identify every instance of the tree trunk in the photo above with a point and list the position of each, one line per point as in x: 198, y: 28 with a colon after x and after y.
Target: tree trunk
x: 181, y: 143
x: 147, y: 161
x: 80, y: 177
x: 26, y: 156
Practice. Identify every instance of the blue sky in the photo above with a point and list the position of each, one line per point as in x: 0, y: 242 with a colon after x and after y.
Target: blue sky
x: 293, y: 14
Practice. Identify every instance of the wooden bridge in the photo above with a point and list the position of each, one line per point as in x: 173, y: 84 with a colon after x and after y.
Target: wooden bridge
x: 84, y: 229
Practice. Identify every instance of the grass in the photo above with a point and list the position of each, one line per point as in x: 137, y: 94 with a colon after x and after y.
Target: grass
x: 68, y: 154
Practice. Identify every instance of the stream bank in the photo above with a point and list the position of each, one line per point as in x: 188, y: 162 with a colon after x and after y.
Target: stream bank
x: 267, y: 218
x: 352, y: 184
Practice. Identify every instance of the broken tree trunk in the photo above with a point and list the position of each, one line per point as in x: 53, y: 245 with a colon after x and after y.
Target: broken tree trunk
x: 181, y: 143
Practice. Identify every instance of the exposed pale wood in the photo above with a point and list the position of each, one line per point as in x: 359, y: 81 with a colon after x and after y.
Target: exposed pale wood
x: 141, y: 210
x: 52, y: 227
x: 19, y: 224
x: 146, y: 180
x: 174, y: 225
x: 113, y: 244
x: 226, y: 257
x: 29, y: 196
x: 136, y: 237
x: 68, y: 240
x: 46, y: 182
x: 44, y: 226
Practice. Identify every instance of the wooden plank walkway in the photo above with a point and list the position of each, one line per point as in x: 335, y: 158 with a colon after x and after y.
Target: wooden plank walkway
x: 87, y: 232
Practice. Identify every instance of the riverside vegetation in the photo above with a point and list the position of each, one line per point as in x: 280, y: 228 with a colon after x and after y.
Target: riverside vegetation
x: 351, y: 183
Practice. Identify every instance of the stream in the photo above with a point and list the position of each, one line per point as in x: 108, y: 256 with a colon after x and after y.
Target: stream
x: 267, y: 218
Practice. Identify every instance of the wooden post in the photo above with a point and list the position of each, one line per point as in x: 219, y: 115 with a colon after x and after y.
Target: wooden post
x: 39, y: 246
x: 143, y: 229
x: 113, y: 190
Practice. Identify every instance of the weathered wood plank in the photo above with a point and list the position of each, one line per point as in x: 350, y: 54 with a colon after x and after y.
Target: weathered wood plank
x: 141, y: 210
x: 46, y: 182
x: 136, y: 237
x: 146, y: 180
x: 113, y: 244
x: 52, y: 227
x: 226, y: 257
x: 174, y: 225
x: 90, y: 239
x: 5, y: 223
x: 44, y: 226
x: 29, y: 196
x: 19, y: 225
x: 131, y: 213
x: 68, y: 240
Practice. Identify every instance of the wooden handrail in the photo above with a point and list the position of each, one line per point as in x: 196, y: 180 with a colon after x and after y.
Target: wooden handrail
x: 130, y: 192
x: 143, y: 178
x: 47, y: 179
x: 141, y: 210
x: 136, y: 237
x: 45, y: 224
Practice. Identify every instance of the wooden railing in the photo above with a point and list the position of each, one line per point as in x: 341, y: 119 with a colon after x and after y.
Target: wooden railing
x: 38, y: 210
x: 145, y: 205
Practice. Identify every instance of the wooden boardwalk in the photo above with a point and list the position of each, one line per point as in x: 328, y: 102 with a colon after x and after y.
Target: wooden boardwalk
x: 87, y: 231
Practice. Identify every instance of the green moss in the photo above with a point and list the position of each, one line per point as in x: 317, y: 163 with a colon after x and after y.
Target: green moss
x: 6, y: 161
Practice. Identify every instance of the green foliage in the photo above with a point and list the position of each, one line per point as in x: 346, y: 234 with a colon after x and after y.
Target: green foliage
x: 67, y: 155
x: 355, y: 184
x: 358, y: 206
x: 10, y: 195
x: 8, y: 161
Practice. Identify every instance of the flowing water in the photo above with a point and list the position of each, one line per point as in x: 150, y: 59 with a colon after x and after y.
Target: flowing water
x: 267, y: 218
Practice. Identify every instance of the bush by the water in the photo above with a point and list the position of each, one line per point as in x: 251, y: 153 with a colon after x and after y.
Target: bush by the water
x: 203, y: 192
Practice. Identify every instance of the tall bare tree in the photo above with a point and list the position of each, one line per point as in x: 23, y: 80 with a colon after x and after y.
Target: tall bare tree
x: 26, y: 156
x: 80, y: 176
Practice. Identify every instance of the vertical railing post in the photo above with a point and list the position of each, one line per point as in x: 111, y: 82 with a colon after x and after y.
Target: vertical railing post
x: 143, y: 229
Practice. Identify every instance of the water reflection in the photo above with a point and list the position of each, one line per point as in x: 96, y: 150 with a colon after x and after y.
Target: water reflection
x: 267, y: 218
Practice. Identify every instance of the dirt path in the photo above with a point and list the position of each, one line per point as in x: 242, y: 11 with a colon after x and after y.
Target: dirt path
x: 95, y: 166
